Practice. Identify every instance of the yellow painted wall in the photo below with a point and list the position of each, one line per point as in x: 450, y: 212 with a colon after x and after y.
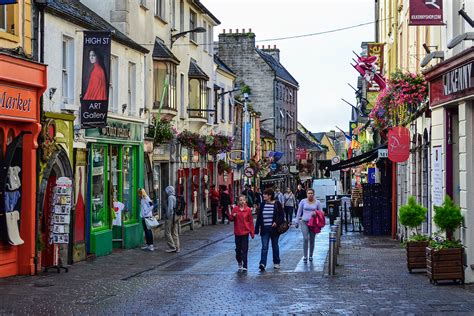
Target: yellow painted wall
x: 19, y: 28
x: 331, y: 153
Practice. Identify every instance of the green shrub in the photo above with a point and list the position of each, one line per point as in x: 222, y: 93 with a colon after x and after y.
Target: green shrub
x: 412, y: 214
x: 448, y: 217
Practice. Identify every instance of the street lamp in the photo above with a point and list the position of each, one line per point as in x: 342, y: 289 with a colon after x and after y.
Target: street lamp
x: 181, y: 34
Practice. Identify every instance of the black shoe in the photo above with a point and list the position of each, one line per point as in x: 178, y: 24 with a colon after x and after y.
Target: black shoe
x: 261, y: 267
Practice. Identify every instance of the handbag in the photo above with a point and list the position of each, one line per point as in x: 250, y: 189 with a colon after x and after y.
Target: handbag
x: 283, y: 227
x: 151, y: 222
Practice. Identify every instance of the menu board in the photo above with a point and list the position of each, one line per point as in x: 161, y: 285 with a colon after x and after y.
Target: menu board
x: 61, y: 211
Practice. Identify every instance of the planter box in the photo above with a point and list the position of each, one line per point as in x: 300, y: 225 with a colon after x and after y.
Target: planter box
x: 445, y: 264
x: 416, y: 255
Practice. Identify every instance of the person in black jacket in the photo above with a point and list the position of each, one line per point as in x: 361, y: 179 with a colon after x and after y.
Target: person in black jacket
x: 300, y: 195
x: 224, y: 201
x: 269, y: 217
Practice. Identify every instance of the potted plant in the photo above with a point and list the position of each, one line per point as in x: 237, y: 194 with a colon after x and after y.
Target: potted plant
x: 444, y: 256
x: 412, y: 215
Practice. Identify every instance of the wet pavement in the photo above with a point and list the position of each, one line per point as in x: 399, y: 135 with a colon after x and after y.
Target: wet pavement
x: 203, y: 279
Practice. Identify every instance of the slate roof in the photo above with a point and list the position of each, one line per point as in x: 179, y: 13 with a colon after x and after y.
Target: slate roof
x: 220, y: 64
x: 305, y: 143
x: 319, y: 136
x: 196, y: 72
x: 161, y: 52
x: 76, y: 12
x: 278, y: 68
x: 265, y: 134
x: 206, y: 11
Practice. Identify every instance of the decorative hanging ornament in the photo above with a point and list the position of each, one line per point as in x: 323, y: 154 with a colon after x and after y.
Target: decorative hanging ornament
x: 398, y: 144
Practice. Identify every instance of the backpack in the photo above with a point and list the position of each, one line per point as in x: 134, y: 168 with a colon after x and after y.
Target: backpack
x: 180, y: 206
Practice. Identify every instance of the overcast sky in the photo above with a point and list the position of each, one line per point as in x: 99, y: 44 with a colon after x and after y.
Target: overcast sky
x: 321, y: 64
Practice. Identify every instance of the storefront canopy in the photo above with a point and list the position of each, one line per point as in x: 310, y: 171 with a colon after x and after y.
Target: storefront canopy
x: 355, y: 161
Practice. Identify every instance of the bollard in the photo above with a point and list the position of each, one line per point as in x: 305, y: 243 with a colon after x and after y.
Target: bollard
x: 334, y: 229
x: 337, y: 223
x: 332, y: 253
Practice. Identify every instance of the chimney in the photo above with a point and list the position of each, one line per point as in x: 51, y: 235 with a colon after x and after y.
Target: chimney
x: 230, y: 31
x: 274, y: 52
x: 223, y: 31
x: 243, y: 30
x: 250, y: 30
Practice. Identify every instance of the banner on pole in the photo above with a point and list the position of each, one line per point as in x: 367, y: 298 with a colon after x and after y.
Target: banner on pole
x: 426, y: 12
x: 95, y: 79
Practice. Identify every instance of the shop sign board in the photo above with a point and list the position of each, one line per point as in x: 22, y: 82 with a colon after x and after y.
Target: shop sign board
x: 437, y: 165
x: 17, y: 102
x: 426, y: 12
x: 95, y: 79
x: 398, y: 144
x: 382, y: 153
x: 453, y: 84
x: 376, y: 49
x: 301, y: 154
x: 116, y: 129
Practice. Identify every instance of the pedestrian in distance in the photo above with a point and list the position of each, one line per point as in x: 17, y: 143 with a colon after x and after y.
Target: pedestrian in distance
x: 279, y: 196
x: 269, y: 217
x: 225, y: 204
x: 146, y: 211
x: 307, y: 209
x: 241, y: 215
x: 214, y: 197
x: 249, y: 195
x: 172, y: 221
x: 258, y: 198
x: 289, y: 204
x: 300, y: 195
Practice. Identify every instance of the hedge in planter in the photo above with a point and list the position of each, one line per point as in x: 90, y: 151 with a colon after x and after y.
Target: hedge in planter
x: 444, y: 257
x: 412, y: 215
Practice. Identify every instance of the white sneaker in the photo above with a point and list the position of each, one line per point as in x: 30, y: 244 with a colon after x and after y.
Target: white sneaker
x: 310, y: 258
x: 144, y: 247
x: 244, y: 269
x: 305, y: 259
x: 240, y: 267
x: 276, y: 266
x: 151, y: 248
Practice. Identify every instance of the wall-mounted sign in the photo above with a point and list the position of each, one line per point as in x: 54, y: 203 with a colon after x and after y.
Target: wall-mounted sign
x: 398, y: 144
x: 301, y: 154
x: 382, y: 153
x: 249, y: 172
x: 116, y: 131
x: 95, y: 79
x: 16, y: 102
x: 437, y: 165
x: 426, y: 12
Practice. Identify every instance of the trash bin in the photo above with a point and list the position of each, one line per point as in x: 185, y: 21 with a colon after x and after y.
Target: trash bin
x: 332, y: 207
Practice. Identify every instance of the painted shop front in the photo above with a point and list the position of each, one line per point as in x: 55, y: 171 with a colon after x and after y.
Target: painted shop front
x: 55, y: 222
x: 452, y: 142
x: 22, y: 83
x: 115, y: 172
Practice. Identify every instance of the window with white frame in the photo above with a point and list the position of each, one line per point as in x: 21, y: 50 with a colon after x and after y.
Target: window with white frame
x: 3, y: 18
x: 206, y: 48
x: 173, y: 14
x: 159, y: 8
x: 7, y: 19
x: 192, y: 25
x: 67, y: 70
x: 223, y: 100
x: 164, y: 82
x: 209, y: 38
x: 113, y: 88
x: 132, y: 79
x: 231, y: 105
x: 182, y: 107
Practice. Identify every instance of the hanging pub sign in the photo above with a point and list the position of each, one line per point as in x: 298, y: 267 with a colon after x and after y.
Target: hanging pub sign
x: 426, y: 12
x: 398, y: 144
x: 95, y: 79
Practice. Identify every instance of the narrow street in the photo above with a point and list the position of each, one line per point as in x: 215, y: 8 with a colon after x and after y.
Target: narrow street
x: 203, y: 279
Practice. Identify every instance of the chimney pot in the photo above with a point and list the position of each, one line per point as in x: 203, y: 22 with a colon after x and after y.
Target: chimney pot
x: 274, y: 47
x: 230, y: 31
x: 257, y: 46
x: 243, y: 31
x: 268, y: 46
x: 223, y: 31
x: 250, y: 30
x: 236, y: 31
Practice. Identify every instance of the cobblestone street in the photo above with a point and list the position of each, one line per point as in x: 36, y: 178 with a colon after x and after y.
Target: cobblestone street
x: 203, y: 278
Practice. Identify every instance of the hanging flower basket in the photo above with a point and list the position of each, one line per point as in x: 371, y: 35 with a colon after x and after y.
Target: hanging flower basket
x: 223, y: 166
x: 404, y: 98
x: 161, y: 132
x: 188, y: 139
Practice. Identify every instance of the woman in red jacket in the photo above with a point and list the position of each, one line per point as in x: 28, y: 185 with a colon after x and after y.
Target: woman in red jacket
x: 241, y: 215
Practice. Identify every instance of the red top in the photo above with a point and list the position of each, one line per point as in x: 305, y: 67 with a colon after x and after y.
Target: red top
x: 214, y: 195
x: 96, y: 89
x: 243, y: 221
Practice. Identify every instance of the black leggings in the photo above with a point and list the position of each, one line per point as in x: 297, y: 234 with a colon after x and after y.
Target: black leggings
x: 242, y: 249
x: 289, y: 213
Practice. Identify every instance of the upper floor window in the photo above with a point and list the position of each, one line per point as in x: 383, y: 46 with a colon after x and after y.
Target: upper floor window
x: 181, y: 16
x: 223, y: 98
x: 132, y: 79
x: 173, y: 14
x: 206, y: 47
x: 7, y: 18
x: 209, y: 38
x: 164, y: 83
x: 113, y: 89
x: 160, y: 8
x: 67, y: 71
x: 197, y: 98
x: 192, y: 24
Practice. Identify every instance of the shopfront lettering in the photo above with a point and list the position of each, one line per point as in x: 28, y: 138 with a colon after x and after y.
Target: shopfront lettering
x: 114, y: 131
x: 96, y: 40
x: 94, y: 115
x: 458, y: 79
x: 15, y: 102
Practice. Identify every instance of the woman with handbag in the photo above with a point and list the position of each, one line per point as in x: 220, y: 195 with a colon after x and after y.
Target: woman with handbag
x: 306, y: 210
x: 146, y: 213
x: 269, y: 218
x: 241, y: 215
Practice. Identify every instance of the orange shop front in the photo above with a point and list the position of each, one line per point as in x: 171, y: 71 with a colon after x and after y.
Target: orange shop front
x: 21, y: 84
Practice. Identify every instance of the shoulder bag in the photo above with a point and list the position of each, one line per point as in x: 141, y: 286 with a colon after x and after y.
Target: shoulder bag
x: 151, y: 222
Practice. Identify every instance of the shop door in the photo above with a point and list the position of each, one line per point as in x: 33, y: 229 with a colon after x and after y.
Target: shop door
x: 195, y: 187
x: 47, y: 254
x: 115, y: 179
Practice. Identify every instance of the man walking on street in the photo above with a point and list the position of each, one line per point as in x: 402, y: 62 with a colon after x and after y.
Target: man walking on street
x: 172, y: 221
x: 300, y: 195
x: 225, y: 204
x: 214, y: 197
x: 249, y: 195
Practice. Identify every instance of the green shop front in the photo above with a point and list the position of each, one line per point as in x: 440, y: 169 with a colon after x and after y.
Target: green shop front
x: 115, y: 172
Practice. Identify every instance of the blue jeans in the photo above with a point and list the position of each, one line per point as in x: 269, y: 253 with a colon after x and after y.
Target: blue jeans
x: 266, y: 234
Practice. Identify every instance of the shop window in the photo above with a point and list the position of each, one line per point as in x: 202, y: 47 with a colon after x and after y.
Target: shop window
x: 7, y: 19
x: 161, y: 71
x: 99, y: 210
x: 67, y: 88
x: 192, y: 25
x: 128, y: 186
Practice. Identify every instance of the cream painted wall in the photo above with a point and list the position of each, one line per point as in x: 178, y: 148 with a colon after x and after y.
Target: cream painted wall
x: 55, y: 29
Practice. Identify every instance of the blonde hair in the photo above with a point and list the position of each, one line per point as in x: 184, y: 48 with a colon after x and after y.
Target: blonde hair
x: 142, y: 193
